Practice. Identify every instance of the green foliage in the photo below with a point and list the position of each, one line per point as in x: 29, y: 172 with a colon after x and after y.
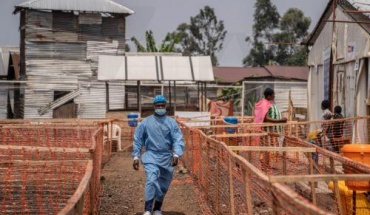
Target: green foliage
x: 294, y: 26
x: 285, y: 33
x: 168, y: 44
x: 203, y: 36
x: 266, y: 20
x: 232, y: 94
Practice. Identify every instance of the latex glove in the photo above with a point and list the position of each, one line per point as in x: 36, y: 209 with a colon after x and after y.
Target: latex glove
x: 175, y: 161
x: 135, y: 165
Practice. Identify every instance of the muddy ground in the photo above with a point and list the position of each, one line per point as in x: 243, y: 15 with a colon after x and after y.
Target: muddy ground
x: 123, y: 190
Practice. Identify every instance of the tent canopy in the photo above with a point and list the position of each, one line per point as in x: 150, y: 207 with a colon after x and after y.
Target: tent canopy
x: 155, y: 68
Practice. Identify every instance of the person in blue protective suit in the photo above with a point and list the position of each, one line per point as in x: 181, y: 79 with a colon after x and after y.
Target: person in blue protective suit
x: 163, y: 141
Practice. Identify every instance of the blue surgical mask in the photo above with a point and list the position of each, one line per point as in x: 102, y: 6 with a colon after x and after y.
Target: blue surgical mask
x: 160, y: 111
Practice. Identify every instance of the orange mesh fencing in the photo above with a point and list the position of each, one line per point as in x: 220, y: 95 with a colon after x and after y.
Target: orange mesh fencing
x: 51, y: 141
x: 255, y: 171
x: 329, y: 134
x: 44, y: 187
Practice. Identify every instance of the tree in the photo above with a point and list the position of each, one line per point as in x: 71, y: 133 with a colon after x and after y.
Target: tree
x: 293, y: 29
x: 266, y: 20
x: 203, y: 36
x: 168, y: 44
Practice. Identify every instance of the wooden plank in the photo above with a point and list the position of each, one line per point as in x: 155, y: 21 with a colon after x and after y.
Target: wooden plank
x: 240, y: 135
x: 45, y: 149
x: 326, y: 177
x: 32, y: 162
x: 271, y: 149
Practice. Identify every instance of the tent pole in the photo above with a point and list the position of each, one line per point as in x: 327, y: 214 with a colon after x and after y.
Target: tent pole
x: 205, y: 97
x: 174, y: 97
x: 198, y: 96
x: 138, y: 97
x: 243, y: 101
x: 169, y: 94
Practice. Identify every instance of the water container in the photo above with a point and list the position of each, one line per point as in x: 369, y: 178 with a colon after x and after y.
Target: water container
x: 132, y: 119
x: 230, y: 121
x: 360, y: 153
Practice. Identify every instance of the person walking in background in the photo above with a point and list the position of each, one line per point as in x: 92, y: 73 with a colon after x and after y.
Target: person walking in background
x: 265, y: 110
x: 337, y: 128
x: 163, y: 141
x: 326, y: 126
x: 326, y: 113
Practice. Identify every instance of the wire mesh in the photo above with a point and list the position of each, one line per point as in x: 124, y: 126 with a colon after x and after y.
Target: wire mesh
x: 237, y: 170
x: 329, y: 134
x: 40, y: 187
x: 53, y: 141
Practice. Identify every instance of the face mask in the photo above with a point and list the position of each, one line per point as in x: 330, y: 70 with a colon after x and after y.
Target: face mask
x: 160, y: 111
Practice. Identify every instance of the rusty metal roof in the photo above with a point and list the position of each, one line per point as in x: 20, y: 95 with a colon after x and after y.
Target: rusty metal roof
x: 235, y: 74
x: 299, y: 73
x: 102, y: 6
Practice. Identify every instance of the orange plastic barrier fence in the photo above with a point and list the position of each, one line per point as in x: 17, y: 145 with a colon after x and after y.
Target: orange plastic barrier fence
x: 254, y: 171
x: 45, y: 187
x: 60, y: 142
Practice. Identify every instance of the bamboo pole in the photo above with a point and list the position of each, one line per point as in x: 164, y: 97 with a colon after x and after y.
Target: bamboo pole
x: 326, y: 177
x: 240, y: 135
x: 44, y: 149
x: 271, y: 149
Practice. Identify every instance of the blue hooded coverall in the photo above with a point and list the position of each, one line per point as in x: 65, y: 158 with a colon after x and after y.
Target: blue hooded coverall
x: 162, y: 139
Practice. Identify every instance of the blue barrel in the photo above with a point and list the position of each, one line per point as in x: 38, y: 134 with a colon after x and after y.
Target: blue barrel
x: 132, y: 119
x: 230, y: 121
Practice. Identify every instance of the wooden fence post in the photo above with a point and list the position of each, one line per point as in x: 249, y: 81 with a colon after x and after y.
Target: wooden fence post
x: 336, y: 188
x: 248, y: 196
x: 312, y: 183
x: 231, y: 187
x: 217, y: 179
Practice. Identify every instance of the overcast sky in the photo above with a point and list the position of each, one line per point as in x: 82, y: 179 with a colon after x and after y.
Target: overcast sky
x: 164, y: 16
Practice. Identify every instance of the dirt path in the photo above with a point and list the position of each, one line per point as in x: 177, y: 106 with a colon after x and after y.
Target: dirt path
x: 123, y: 190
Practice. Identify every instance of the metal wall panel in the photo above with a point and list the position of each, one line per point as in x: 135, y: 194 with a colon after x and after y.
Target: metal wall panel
x: 58, y: 67
x: 52, y: 50
x: 34, y: 100
x: 59, y: 83
x: 95, y: 48
x: 90, y: 18
x: 3, y: 103
x: 92, y: 101
x: 116, y: 96
x: 298, y: 95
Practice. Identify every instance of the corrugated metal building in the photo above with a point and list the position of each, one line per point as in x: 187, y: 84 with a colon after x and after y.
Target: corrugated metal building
x: 9, y: 70
x: 60, y: 44
x: 280, y: 78
x: 339, y: 58
x: 339, y: 61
